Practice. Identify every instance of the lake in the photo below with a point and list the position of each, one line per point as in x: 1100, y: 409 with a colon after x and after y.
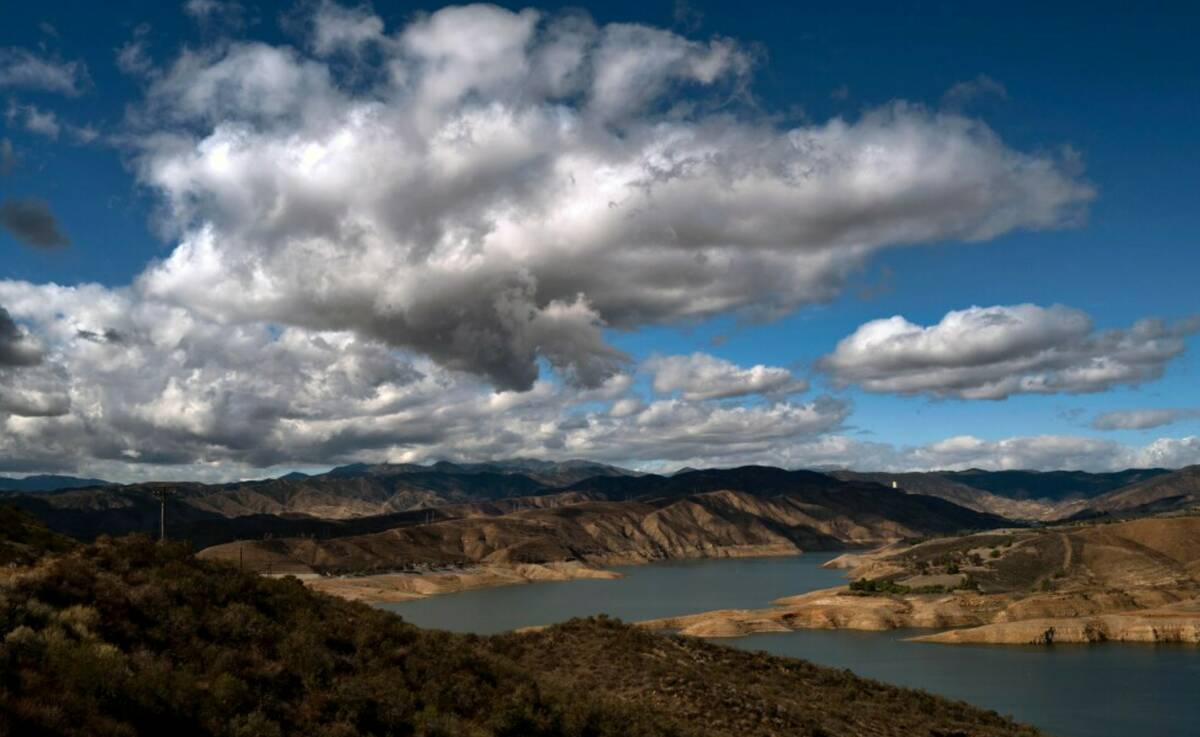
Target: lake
x: 1068, y: 690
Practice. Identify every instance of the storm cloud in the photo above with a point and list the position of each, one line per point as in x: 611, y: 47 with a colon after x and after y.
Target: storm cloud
x: 31, y: 222
x: 15, y: 347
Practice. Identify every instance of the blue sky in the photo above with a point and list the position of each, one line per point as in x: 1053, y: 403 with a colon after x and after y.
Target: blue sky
x: 1102, y: 93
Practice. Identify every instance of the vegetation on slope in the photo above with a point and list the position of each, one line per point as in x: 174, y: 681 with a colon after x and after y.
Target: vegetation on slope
x: 132, y: 637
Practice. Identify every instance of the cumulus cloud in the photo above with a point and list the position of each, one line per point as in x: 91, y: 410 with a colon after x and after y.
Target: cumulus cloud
x: 497, y: 204
x: 995, y: 352
x: 703, y: 376
x: 380, y: 235
x: 129, y: 387
x: 1142, y: 419
x: 21, y: 68
x: 31, y: 221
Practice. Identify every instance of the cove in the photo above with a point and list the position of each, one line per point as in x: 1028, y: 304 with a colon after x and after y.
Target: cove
x: 1067, y: 690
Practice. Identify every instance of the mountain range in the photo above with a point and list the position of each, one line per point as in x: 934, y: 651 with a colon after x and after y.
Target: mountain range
x: 380, y: 516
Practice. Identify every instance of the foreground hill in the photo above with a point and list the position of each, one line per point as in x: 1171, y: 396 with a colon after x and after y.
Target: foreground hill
x: 1133, y: 581
x: 1017, y: 495
x: 131, y: 637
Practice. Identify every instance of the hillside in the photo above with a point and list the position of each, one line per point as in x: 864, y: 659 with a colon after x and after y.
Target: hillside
x: 1017, y: 495
x: 1172, y: 492
x: 131, y: 637
x: 789, y: 518
x: 1135, y: 581
x: 290, y: 504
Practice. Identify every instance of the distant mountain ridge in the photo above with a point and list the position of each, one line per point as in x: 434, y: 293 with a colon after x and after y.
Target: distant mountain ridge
x: 1018, y: 495
x: 47, y: 482
x: 1177, y: 491
x: 363, y: 499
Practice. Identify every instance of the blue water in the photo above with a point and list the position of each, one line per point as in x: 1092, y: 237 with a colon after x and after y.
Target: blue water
x: 1068, y: 690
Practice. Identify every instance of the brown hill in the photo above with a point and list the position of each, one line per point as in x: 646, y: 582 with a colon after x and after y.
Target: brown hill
x: 1082, y: 583
x: 1176, y: 491
x: 1017, y: 495
x: 656, y: 527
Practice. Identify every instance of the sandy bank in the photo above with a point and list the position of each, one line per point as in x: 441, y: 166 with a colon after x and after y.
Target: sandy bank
x: 392, y: 587
x: 1133, y: 627
x: 966, y: 617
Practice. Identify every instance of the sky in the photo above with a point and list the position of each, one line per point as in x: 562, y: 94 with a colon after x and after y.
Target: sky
x: 238, y: 239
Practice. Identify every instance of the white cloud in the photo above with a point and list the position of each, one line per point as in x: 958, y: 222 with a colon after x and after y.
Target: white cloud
x: 33, y: 119
x: 514, y: 183
x: 339, y: 28
x: 1036, y: 452
x: 209, y: 13
x: 118, y: 386
x: 995, y: 352
x: 1142, y: 419
x: 128, y: 387
x: 372, y: 259
x: 964, y: 93
x: 703, y: 376
x: 21, y: 68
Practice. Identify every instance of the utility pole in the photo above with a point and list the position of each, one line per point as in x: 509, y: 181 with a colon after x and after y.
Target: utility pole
x: 161, y: 495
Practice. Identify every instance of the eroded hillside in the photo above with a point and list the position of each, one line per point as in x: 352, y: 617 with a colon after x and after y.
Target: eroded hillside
x: 1132, y: 581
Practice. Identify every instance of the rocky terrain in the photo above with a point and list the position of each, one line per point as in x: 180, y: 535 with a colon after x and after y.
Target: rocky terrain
x: 1131, y: 581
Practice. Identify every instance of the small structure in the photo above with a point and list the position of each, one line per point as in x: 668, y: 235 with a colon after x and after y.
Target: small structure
x: 894, y: 485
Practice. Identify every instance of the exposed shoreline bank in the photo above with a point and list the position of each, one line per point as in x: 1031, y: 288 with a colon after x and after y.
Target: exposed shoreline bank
x: 393, y: 587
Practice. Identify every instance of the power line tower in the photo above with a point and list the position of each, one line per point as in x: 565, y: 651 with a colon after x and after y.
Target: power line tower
x: 161, y: 495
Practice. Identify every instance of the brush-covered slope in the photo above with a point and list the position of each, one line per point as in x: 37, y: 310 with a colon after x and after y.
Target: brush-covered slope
x: 131, y: 637
x: 23, y: 539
